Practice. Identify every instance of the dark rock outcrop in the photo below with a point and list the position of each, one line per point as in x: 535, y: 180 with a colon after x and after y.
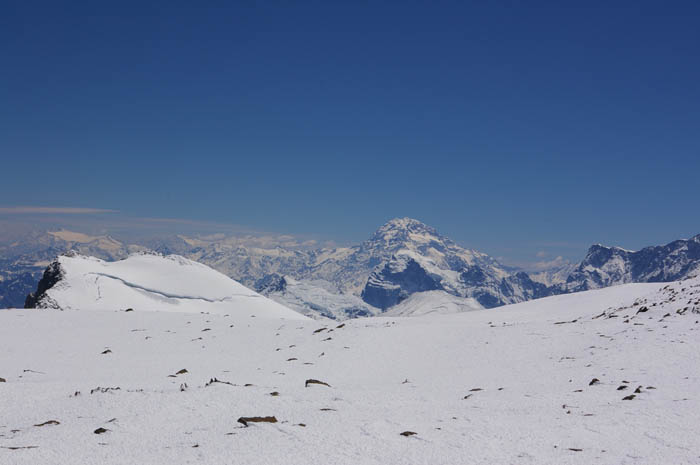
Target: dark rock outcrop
x: 270, y: 283
x: 52, y: 275
x: 394, y: 283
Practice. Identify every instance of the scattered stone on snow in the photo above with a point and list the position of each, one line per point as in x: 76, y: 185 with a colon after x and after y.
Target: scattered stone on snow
x: 104, y: 390
x: 245, y: 420
x: 49, y: 422
x: 315, y: 381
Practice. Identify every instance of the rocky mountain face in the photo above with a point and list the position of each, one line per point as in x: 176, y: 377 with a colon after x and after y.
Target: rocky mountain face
x: 423, y: 260
x: 39, y: 299
x: 608, y: 266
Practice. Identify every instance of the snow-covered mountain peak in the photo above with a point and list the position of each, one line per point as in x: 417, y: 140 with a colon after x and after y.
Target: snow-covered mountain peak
x: 409, y: 233
x: 414, y: 257
x: 403, y: 228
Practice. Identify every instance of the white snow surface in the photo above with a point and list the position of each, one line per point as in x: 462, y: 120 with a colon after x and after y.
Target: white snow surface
x: 155, y: 282
x: 513, y: 385
x: 433, y: 302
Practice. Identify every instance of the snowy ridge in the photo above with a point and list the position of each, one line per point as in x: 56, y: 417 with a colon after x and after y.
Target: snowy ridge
x: 147, y: 281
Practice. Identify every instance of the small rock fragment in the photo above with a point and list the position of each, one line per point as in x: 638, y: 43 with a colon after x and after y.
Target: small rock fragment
x: 245, y: 420
x: 315, y: 381
x: 50, y: 422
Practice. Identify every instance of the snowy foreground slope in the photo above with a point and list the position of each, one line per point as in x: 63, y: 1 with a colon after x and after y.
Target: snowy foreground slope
x: 150, y: 282
x: 541, y: 382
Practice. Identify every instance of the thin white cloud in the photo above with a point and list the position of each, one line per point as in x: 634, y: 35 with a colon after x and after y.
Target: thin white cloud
x: 53, y: 210
x: 537, y: 266
x: 546, y: 265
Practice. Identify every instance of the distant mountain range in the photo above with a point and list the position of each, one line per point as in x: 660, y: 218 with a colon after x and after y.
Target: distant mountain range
x: 402, y: 258
x: 608, y: 266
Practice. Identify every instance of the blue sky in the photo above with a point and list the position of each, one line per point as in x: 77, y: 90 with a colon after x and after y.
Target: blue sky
x: 519, y: 128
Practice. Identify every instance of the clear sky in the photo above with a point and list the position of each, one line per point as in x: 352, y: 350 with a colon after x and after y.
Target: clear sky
x: 514, y: 127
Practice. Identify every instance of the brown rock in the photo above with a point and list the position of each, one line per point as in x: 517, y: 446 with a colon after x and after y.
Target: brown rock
x: 50, y: 422
x: 315, y: 381
x: 245, y: 420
